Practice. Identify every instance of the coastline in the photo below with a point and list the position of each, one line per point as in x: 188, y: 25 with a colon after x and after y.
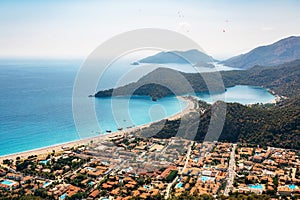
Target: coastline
x: 96, y: 139
x: 278, y: 98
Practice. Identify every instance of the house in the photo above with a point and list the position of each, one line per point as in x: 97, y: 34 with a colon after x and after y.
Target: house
x: 26, y: 179
x: 115, y: 191
x: 2, y: 172
x: 284, y: 190
x: 95, y: 174
x: 167, y: 171
x: 94, y: 194
x: 11, y: 176
x: 72, y: 190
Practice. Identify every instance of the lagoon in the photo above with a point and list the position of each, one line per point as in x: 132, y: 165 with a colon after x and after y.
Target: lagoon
x: 243, y: 94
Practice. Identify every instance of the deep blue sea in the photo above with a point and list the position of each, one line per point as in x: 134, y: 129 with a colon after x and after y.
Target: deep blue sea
x: 36, y: 104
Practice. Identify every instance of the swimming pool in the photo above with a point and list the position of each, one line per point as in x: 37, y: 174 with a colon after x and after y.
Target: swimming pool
x: 46, y: 184
x: 147, y: 187
x: 256, y: 187
x: 91, y: 183
x: 7, y: 182
x: 62, y: 197
x: 205, y: 178
x: 44, y: 162
x: 292, y: 186
x: 90, y: 168
x: 179, y: 185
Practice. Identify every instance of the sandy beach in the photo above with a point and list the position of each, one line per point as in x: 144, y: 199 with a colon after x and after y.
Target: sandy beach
x: 59, y: 147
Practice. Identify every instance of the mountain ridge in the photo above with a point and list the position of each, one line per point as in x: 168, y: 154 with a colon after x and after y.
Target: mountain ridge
x: 284, y: 50
x: 284, y: 80
x: 262, y: 125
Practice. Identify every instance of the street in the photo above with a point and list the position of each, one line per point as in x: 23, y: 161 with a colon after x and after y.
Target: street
x: 231, y: 171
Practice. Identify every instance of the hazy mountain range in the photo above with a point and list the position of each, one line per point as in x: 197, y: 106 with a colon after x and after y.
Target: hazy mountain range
x: 284, y: 50
x: 280, y: 52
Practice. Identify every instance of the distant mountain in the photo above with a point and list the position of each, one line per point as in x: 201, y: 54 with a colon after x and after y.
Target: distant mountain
x: 180, y: 57
x: 284, y: 50
x: 282, y: 79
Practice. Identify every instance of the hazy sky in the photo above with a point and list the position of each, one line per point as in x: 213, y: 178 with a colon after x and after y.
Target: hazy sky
x: 68, y: 29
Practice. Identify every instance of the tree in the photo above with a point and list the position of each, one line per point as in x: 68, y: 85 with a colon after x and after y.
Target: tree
x: 7, y: 162
x: 40, y: 193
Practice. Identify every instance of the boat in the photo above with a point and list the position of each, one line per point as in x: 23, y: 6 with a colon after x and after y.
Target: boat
x: 108, y: 131
x: 154, y: 98
x: 119, y: 129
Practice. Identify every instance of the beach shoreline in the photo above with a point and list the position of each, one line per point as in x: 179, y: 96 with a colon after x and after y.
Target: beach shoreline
x: 278, y: 98
x: 95, y: 139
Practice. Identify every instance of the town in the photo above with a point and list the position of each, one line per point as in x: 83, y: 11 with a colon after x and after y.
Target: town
x: 130, y: 167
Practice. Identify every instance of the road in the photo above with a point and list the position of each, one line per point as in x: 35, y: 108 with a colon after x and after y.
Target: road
x: 188, y: 155
x: 231, y: 171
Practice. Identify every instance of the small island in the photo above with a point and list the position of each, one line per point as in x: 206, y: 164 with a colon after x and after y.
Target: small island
x: 192, y: 56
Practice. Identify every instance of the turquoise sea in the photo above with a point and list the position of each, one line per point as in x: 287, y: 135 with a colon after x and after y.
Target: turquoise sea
x: 36, y: 105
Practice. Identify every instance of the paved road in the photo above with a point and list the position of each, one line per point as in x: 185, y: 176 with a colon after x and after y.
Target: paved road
x: 231, y: 171
x: 188, y: 155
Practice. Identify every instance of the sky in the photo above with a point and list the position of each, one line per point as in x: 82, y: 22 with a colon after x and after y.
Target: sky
x: 73, y: 29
